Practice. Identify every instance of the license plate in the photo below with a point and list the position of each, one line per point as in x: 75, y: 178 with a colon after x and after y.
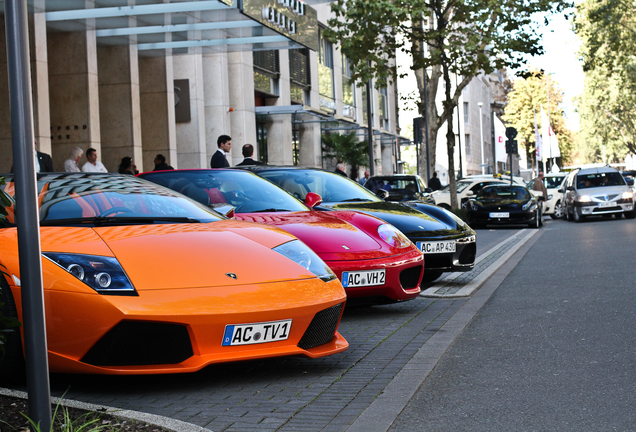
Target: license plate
x: 246, y: 334
x: 363, y: 278
x: 499, y: 215
x: 437, y: 247
x: 606, y: 204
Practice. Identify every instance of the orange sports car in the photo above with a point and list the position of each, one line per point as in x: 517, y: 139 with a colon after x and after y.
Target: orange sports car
x: 140, y: 280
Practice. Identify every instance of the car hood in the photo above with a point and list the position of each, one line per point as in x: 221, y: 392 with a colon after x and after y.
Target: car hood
x: 494, y: 205
x: 332, y: 235
x: 610, y: 191
x: 426, y: 221
x: 172, y: 256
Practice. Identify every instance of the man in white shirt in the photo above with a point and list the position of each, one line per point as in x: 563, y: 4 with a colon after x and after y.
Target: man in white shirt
x: 93, y: 165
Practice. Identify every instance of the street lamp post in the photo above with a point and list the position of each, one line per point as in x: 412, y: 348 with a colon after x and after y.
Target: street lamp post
x: 481, y: 135
x: 547, y: 81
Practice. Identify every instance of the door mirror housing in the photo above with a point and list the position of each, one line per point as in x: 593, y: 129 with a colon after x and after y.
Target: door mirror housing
x: 224, y: 209
x: 312, y: 199
x: 382, y: 194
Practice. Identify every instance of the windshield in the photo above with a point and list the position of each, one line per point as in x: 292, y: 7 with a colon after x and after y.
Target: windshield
x: 584, y: 181
x: 553, y: 182
x: 331, y: 187
x: 98, y: 199
x: 461, y: 185
x: 247, y: 192
x: 503, y: 193
x: 399, y: 188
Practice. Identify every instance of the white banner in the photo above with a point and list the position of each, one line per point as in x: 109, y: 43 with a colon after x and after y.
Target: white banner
x: 549, y: 138
x: 537, y: 140
x: 500, y: 141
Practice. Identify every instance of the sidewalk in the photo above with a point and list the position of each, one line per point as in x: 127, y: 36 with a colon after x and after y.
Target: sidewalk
x: 392, y: 349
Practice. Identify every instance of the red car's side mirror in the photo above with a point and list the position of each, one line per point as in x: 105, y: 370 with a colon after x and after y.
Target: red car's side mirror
x: 312, y: 199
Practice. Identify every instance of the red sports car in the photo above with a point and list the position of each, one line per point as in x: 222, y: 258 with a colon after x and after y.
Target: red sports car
x: 373, y: 259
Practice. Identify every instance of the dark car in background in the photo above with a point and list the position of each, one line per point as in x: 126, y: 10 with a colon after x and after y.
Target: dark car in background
x: 401, y: 188
x: 503, y: 204
x: 599, y: 191
x: 448, y: 243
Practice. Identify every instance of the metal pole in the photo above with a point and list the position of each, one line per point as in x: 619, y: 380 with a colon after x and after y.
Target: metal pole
x: 481, y: 133
x: 459, y: 137
x: 27, y: 214
x: 547, y: 81
x: 428, y: 163
x: 370, y: 130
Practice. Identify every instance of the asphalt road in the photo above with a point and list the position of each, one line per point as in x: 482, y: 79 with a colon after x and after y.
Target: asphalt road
x: 553, y: 349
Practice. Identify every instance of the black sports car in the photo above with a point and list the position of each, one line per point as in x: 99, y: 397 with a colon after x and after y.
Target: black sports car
x: 447, y: 242
x: 503, y: 204
x: 401, y: 188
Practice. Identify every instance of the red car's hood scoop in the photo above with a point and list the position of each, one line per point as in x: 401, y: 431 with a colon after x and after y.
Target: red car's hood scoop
x: 322, y: 232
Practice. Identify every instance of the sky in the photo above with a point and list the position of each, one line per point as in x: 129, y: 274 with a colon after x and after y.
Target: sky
x: 560, y: 58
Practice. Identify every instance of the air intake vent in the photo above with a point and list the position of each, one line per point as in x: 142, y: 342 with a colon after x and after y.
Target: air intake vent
x: 410, y: 277
x: 322, y: 328
x: 133, y: 343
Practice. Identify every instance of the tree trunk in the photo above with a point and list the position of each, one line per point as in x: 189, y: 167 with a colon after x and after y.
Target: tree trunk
x: 450, y: 139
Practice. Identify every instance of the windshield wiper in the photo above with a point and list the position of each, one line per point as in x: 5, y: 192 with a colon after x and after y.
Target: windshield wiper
x: 117, y: 220
x: 270, y: 210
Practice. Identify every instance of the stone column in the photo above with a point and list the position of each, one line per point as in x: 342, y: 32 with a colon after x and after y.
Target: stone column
x: 216, y: 103
x: 279, y: 127
x: 241, y: 91
x: 310, y: 144
x: 74, y: 94
x: 191, y: 146
x: 119, y: 109
x: 158, y: 128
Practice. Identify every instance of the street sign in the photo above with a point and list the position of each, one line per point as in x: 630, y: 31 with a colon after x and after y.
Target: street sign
x: 484, y: 165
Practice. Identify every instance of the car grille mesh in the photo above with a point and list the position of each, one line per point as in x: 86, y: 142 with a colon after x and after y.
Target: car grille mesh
x: 134, y: 343
x: 322, y: 328
x: 410, y: 277
x: 467, y: 255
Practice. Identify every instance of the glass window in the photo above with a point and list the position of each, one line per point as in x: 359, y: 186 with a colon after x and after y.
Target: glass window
x: 364, y: 105
x: 467, y: 144
x: 325, y: 75
x: 348, y: 89
x: 466, y: 113
x: 383, y: 108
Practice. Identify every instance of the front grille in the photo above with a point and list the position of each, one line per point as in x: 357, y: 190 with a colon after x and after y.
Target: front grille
x: 467, y: 256
x: 322, y: 328
x: 433, y: 261
x: 135, y: 343
x: 410, y: 277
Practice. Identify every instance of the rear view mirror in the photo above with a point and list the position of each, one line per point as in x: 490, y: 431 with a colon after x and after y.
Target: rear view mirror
x: 428, y: 190
x: 224, y: 209
x: 470, y: 193
x: 312, y: 199
x: 382, y: 194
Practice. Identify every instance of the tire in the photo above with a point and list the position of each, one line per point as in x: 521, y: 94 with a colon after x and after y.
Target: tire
x: 629, y: 215
x: 431, y: 275
x: 577, y: 215
x: 12, y: 367
x: 558, y: 211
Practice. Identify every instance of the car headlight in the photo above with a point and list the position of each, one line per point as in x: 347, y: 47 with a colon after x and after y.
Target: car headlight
x: 550, y: 197
x: 299, y: 253
x: 103, y: 274
x: 628, y: 195
x: 393, y: 236
x: 585, y: 198
x: 529, y: 205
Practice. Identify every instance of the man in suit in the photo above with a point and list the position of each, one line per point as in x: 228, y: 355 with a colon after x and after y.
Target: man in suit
x: 248, y: 152
x: 219, y: 158
x: 43, y: 162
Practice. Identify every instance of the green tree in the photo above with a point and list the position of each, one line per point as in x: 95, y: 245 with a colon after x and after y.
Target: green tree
x: 443, y: 37
x: 347, y: 149
x: 525, y: 100
x: 607, y: 107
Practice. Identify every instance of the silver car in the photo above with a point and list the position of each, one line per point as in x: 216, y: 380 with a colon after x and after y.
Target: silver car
x: 597, y: 191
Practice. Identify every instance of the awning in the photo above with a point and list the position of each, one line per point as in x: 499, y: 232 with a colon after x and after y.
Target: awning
x: 201, y: 26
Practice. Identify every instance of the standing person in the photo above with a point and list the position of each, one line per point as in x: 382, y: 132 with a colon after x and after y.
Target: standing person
x: 93, y: 165
x: 219, y: 158
x: 127, y: 166
x: 434, y: 182
x: 539, y: 186
x: 160, y: 163
x: 43, y: 162
x: 70, y: 165
x: 340, y: 169
x: 248, y: 152
x: 364, y: 179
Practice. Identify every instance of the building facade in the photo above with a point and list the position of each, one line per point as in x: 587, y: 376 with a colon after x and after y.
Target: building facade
x: 171, y: 77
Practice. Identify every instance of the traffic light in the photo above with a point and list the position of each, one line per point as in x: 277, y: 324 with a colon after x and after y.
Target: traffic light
x: 511, y: 146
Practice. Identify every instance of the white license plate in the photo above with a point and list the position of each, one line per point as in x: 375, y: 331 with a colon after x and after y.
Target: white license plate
x: 246, y: 334
x: 363, y: 278
x: 499, y: 215
x: 607, y: 204
x: 437, y: 247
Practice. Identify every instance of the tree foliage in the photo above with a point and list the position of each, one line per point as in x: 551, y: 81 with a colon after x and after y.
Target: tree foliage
x: 607, y: 107
x: 347, y: 149
x: 443, y: 37
x: 525, y: 100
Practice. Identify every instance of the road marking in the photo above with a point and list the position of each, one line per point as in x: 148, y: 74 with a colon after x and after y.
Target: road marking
x: 441, y: 288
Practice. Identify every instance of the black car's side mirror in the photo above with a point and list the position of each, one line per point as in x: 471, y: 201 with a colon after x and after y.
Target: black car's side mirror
x: 570, y: 188
x: 428, y: 190
x: 382, y: 194
x: 560, y: 190
x: 541, y: 198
